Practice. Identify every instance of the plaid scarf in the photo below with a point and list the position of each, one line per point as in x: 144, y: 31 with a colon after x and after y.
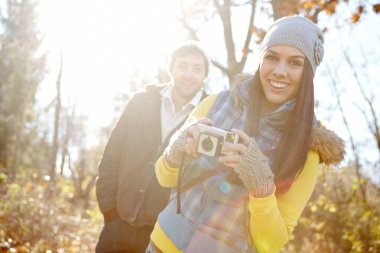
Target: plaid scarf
x: 226, y: 114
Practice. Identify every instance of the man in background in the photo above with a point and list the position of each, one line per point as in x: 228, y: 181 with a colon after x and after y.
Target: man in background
x: 127, y: 190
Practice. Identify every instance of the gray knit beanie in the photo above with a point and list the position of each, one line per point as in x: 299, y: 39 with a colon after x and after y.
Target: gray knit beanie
x: 298, y: 32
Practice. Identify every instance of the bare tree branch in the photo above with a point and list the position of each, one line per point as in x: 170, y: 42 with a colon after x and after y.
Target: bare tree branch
x: 283, y: 8
x: 363, y: 112
x: 375, y: 129
x: 344, y: 118
x: 74, y: 175
x: 192, y: 31
x: 248, y: 37
x: 220, y: 66
x: 241, y: 4
x: 53, y: 157
x: 224, y: 12
x: 362, y: 182
x: 193, y: 35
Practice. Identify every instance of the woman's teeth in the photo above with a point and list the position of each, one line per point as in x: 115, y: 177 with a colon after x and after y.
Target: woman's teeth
x: 279, y: 85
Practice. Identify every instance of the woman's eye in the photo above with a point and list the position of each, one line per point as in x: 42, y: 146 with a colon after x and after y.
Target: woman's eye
x: 295, y: 63
x: 271, y: 57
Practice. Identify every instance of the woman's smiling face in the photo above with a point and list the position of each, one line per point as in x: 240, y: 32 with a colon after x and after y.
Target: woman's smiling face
x: 281, y: 70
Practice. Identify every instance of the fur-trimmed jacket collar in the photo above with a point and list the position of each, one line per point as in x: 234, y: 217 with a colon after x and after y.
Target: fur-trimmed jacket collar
x: 330, y: 146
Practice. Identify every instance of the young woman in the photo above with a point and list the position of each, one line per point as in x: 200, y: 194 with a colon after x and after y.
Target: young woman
x: 265, y: 181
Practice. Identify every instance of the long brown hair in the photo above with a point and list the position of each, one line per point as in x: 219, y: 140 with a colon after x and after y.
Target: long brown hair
x: 288, y: 162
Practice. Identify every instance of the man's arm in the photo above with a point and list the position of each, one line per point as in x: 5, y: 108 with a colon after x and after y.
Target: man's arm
x: 109, y: 166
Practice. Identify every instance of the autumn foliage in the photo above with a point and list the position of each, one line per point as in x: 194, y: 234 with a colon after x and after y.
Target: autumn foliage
x: 42, y: 210
x: 32, y: 219
x: 339, y: 218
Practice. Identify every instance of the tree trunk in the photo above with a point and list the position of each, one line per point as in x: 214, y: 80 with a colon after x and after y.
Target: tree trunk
x: 56, y: 123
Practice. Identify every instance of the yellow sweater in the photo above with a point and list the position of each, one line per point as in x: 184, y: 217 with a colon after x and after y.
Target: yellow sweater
x: 272, y: 218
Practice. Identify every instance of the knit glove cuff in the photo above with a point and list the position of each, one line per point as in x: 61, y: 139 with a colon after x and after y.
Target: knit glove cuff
x: 254, y: 169
x: 176, y: 148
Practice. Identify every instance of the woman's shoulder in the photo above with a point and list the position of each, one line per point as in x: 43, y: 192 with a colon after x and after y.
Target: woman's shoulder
x: 327, y: 144
x: 203, y: 108
x: 211, y: 103
x: 210, y: 100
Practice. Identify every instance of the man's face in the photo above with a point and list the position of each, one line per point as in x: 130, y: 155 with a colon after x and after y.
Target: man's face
x: 188, y: 73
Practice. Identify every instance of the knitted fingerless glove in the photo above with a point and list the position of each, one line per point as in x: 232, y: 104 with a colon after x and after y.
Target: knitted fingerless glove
x: 254, y: 169
x: 176, y: 148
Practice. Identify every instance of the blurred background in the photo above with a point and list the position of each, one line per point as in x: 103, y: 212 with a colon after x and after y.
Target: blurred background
x: 67, y: 68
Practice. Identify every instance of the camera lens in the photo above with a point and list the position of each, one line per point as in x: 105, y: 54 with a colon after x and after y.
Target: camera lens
x: 207, y: 144
x: 230, y: 137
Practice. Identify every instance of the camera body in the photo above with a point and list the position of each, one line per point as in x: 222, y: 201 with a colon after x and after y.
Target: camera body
x: 211, y: 140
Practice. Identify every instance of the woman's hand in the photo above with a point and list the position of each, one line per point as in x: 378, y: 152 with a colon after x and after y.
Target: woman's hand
x: 185, y: 140
x: 250, y: 164
x: 191, y: 142
x: 236, y: 150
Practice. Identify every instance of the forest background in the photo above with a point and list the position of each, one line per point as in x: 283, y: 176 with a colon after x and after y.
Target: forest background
x: 67, y: 69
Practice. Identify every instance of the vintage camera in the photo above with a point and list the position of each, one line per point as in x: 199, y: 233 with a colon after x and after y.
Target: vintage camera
x: 211, y: 140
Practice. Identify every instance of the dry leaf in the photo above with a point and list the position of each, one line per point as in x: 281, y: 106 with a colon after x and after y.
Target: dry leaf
x: 360, y: 9
x: 355, y: 17
x: 330, y: 8
x: 376, y: 8
x: 308, y: 5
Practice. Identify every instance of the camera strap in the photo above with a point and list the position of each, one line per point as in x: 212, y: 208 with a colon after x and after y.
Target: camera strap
x: 208, y: 174
x: 179, y: 179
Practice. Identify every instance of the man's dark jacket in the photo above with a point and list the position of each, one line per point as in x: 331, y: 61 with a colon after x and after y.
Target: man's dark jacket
x: 127, y: 184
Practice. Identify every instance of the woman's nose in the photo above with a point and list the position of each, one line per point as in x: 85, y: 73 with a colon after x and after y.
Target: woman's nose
x: 280, y: 69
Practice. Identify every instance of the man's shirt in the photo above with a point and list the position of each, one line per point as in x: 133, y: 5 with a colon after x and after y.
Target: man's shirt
x: 169, y: 117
